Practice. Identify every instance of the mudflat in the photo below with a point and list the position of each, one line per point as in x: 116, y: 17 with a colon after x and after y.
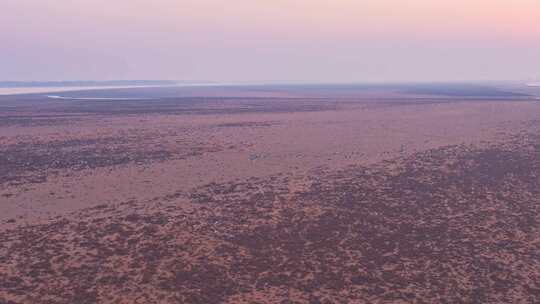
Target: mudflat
x: 324, y: 194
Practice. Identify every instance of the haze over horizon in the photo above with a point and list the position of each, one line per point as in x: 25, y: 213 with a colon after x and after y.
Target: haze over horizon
x: 259, y: 41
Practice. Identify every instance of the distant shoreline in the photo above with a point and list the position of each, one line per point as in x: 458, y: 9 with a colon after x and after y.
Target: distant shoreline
x: 37, y: 90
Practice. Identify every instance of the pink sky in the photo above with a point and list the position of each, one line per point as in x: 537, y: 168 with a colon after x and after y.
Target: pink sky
x: 258, y: 40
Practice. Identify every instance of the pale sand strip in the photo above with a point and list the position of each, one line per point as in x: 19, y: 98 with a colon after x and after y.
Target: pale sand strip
x: 33, y: 90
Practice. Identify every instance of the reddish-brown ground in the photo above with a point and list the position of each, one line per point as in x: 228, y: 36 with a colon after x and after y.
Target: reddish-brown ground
x: 270, y: 200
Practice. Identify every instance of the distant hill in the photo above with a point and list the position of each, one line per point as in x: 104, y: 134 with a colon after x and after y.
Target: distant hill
x: 460, y: 90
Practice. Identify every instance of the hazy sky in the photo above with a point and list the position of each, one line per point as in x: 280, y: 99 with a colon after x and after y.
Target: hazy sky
x: 260, y: 40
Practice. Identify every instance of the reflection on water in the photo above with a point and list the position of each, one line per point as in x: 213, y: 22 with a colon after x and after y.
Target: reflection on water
x: 97, y: 98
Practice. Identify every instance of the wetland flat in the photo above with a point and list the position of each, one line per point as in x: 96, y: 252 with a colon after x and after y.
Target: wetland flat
x: 269, y: 194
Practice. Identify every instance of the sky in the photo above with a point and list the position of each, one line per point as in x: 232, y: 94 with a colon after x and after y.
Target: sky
x: 270, y: 40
